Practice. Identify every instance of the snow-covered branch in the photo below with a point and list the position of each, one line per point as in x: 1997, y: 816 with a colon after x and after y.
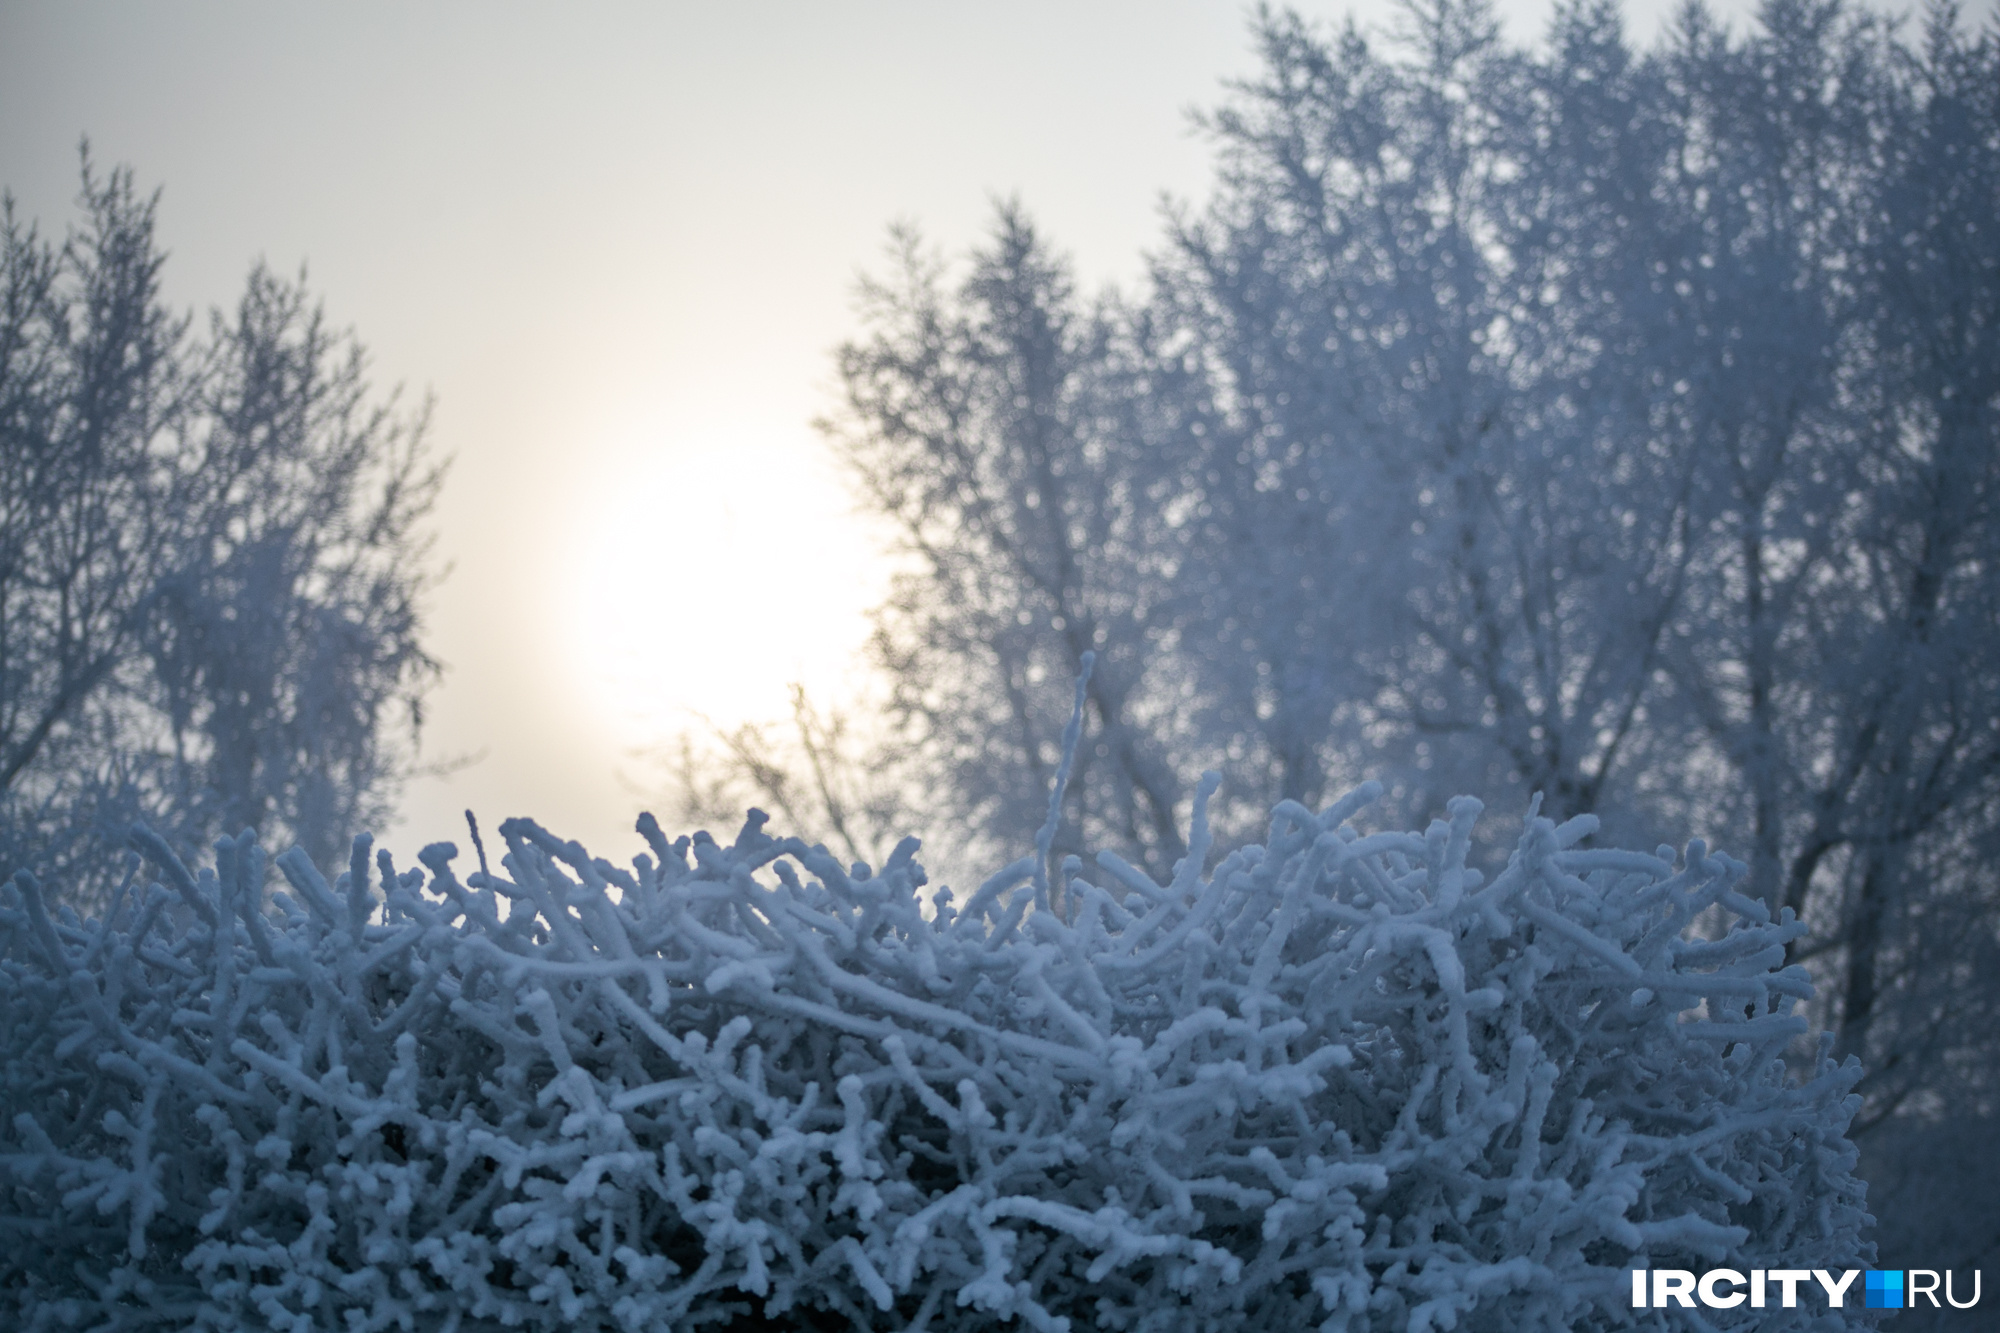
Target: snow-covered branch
x: 1342, y: 1080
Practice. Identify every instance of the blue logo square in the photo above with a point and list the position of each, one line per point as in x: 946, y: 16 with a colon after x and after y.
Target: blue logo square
x: 1884, y: 1288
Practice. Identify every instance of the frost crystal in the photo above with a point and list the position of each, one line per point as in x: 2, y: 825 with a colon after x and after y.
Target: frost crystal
x: 1339, y: 1082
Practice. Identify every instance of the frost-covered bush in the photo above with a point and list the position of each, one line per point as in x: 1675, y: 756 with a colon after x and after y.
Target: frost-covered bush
x: 1343, y: 1081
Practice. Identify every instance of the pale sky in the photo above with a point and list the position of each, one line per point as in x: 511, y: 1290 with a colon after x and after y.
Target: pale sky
x: 619, y: 243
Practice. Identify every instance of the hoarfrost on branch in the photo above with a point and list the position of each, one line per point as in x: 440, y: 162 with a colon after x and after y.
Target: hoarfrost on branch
x: 1340, y: 1081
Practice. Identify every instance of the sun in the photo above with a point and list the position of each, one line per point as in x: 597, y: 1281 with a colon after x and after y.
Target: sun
x: 708, y: 577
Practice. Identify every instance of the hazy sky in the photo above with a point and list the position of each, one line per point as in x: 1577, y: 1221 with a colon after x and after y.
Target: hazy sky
x: 619, y: 242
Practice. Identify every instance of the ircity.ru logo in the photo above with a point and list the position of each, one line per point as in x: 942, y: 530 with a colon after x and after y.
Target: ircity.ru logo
x: 1725, y: 1288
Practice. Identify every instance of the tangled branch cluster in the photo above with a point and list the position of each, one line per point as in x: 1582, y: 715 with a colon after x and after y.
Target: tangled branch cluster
x: 1339, y: 1082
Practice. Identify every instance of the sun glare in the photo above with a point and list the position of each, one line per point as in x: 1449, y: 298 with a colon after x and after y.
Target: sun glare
x: 708, y: 580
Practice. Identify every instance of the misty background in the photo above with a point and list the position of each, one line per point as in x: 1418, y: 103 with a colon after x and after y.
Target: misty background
x: 620, y: 246
x: 1512, y: 423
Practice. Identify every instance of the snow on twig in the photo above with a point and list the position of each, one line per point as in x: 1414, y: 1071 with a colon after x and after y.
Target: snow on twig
x: 1338, y: 1082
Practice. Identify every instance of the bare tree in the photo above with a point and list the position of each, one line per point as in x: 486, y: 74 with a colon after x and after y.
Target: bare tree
x: 211, y: 554
x: 825, y: 779
x: 990, y: 422
x: 1618, y: 425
